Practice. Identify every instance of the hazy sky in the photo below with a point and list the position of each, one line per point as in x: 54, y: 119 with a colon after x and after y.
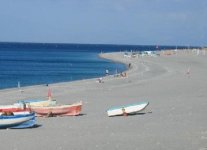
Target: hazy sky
x: 139, y: 22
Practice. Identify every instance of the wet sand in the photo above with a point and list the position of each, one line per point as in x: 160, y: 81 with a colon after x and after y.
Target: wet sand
x: 176, y: 117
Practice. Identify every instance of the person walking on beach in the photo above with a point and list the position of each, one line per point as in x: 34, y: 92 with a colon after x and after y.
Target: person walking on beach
x: 188, y: 72
x: 129, y: 66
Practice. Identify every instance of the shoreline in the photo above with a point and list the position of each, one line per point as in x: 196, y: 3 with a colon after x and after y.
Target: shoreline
x: 63, y: 82
x: 108, y: 57
x: 174, y: 119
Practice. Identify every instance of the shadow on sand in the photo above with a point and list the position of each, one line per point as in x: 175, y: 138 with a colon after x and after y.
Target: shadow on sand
x: 141, y: 113
x: 35, y: 126
x: 81, y: 115
x: 134, y: 114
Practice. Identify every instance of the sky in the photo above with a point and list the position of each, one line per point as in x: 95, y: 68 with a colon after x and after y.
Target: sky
x: 136, y: 22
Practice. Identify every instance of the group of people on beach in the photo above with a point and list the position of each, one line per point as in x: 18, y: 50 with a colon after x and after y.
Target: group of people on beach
x: 122, y: 74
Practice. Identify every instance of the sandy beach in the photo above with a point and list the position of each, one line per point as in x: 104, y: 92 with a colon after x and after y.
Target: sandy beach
x: 176, y: 118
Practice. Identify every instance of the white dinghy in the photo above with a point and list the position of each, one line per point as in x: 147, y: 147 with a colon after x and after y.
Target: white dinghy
x: 128, y: 109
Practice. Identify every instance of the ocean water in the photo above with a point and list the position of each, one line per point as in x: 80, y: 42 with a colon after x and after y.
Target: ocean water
x: 34, y: 64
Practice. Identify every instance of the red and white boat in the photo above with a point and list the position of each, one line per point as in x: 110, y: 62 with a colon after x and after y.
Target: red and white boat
x: 22, y: 106
x: 15, y: 108
x: 58, y: 110
x: 25, y: 105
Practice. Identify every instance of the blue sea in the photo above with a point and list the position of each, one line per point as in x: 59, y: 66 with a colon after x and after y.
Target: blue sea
x: 40, y: 63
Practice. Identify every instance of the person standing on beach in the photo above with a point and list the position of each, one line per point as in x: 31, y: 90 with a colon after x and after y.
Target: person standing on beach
x: 129, y: 66
x: 124, y: 112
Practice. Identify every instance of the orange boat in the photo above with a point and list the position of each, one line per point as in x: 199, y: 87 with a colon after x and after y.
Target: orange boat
x: 58, y: 110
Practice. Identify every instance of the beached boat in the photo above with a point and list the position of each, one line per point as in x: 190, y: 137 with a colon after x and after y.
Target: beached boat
x: 17, y: 121
x: 35, y: 102
x: 25, y: 105
x: 17, y: 112
x: 17, y: 108
x: 58, y: 110
x: 128, y: 109
x: 10, y: 108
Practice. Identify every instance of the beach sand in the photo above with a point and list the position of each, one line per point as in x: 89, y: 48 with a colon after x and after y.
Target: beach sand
x: 176, y: 118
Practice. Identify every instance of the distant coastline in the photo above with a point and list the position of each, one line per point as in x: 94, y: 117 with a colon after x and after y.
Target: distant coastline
x: 101, y: 47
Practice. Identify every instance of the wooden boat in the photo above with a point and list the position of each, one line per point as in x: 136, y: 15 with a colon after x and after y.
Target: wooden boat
x: 25, y: 105
x: 19, y: 121
x: 18, y: 112
x: 128, y: 109
x: 18, y: 108
x: 58, y: 110
x: 35, y: 102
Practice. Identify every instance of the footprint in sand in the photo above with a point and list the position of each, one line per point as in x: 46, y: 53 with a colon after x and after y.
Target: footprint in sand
x: 204, y: 148
x: 204, y: 135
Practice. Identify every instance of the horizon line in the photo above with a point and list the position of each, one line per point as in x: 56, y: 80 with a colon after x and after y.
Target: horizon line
x: 53, y: 43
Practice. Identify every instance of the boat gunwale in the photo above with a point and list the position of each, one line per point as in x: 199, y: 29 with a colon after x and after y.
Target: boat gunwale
x: 33, y: 101
x: 58, y: 106
x: 18, y: 116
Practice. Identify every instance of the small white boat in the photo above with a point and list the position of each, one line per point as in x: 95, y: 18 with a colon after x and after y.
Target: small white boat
x: 127, y: 109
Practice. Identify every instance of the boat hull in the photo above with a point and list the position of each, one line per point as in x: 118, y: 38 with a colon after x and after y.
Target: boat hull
x: 17, y: 121
x: 128, y: 109
x: 59, y: 110
x: 25, y: 105
x: 15, y: 108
